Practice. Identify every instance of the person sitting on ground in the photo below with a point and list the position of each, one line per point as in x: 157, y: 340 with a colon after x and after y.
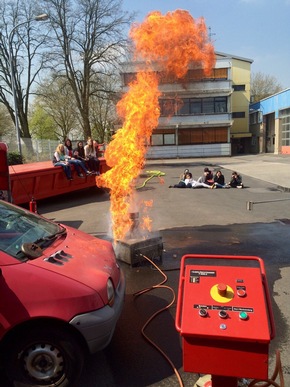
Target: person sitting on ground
x: 90, y: 154
x: 219, y: 180
x: 236, y: 181
x: 204, y: 181
x: 183, y: 175
x: 207, y: 177
x: 181, y: 183
x: 189, y: 180
x: 186, y: 183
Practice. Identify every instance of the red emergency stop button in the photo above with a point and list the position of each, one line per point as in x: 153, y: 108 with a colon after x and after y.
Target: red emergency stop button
x: 222, y: 289
x: 241, y: 292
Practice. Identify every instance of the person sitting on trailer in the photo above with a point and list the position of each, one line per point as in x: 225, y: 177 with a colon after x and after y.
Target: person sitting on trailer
x: 59, y: 159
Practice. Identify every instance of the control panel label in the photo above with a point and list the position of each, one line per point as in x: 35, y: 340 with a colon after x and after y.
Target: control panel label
x: 220, y: 307
x: 202, y: 273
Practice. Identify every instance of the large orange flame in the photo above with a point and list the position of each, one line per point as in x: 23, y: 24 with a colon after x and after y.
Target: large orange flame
x: 172, y: 42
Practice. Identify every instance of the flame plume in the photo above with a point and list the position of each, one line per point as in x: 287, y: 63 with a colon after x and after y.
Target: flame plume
x: 172, y: 41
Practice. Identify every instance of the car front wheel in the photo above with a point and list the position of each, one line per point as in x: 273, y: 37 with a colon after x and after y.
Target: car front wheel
x: 51, y: 358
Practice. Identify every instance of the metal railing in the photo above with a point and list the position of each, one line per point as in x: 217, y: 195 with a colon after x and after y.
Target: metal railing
x: 33, y: 150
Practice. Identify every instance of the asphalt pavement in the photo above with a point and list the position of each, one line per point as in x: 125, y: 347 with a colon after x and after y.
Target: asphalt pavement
x: 199, y: 221
x: 271, y: 168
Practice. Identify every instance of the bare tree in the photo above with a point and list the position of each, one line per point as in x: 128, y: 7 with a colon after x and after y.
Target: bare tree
x: 263, y: 86
x: 103, y: 114
x: 90, y: 37
x: 20, y: 43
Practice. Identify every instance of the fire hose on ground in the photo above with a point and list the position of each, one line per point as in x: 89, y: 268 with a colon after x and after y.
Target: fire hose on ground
x: 151, y: 174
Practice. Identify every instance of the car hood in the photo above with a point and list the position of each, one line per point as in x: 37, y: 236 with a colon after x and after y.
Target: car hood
x: 81, y: 257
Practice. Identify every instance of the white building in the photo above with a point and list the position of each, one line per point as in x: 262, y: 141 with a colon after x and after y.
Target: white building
x: 208, y: 115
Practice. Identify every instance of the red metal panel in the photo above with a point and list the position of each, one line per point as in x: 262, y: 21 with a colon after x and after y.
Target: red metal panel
x: 224, y: 315
x: 42, y: 180
x: 199, y: 295
x: 221, y: 357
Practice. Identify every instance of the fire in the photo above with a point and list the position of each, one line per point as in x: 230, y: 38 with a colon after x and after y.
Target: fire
x: 174, y: 41
x: 126, y: 153
x: 171, y: 42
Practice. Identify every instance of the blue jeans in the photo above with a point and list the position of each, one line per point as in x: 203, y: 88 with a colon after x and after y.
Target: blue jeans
x: 65, y: 167
x: 78, y: 164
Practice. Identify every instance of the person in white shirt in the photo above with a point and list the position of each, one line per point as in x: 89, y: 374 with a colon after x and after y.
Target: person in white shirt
x: 91, y: 156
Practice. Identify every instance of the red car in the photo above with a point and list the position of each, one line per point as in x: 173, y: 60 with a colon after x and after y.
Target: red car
x: 62, y: 292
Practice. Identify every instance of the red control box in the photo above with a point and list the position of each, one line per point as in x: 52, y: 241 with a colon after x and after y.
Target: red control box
x: 224, y: 315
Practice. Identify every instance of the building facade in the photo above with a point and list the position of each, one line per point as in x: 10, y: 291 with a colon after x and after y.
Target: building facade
x: 202, y: 116
x: 270, y: 124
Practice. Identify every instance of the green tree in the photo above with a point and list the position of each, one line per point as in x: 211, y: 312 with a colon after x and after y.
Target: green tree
x: 263, y: 85
x: 42, y: 125
x: 57, y: 101
x: 5, y: 121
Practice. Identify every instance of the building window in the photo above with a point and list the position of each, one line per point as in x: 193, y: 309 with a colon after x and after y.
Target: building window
x: 184, y: 107
x: 157, y: 139
x: 208, y: 105
x: 192, y: 106
x: 194, y: 75
x: 239, y: 87
x: 169, y: 139
x: 196, y: 136
x: 163, y: 137
x: 220, y: 105
x: 238, y: 114
x: 190, y: 136
x: 285, y: 127
x: 256, y: 117
x: 167, y: 107
x: 195, y: 106
x: 198, y: 75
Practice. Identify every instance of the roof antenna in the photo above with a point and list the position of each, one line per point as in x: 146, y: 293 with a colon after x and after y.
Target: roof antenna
x: 210, y: 34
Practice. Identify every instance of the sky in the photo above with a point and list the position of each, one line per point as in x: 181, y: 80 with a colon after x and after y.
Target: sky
x: 252, y: 29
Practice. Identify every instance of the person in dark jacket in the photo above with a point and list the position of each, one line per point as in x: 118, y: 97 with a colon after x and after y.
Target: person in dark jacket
x: 79, y: 151
x: 236, y: 181
x: 219, y: 180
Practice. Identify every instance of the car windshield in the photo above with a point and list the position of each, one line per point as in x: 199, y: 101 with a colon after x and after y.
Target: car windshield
x: 19, y: 226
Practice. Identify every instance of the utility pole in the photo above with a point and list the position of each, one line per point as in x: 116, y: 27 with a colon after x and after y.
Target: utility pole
x: 210, y: 34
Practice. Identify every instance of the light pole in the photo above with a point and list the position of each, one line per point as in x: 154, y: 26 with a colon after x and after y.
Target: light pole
x: 41, y: 17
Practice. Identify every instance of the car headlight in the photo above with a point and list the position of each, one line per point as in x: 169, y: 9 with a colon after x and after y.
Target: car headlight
x: 110, y: 292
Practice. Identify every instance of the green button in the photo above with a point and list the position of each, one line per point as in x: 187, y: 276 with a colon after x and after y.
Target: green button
x: 243, y: 315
